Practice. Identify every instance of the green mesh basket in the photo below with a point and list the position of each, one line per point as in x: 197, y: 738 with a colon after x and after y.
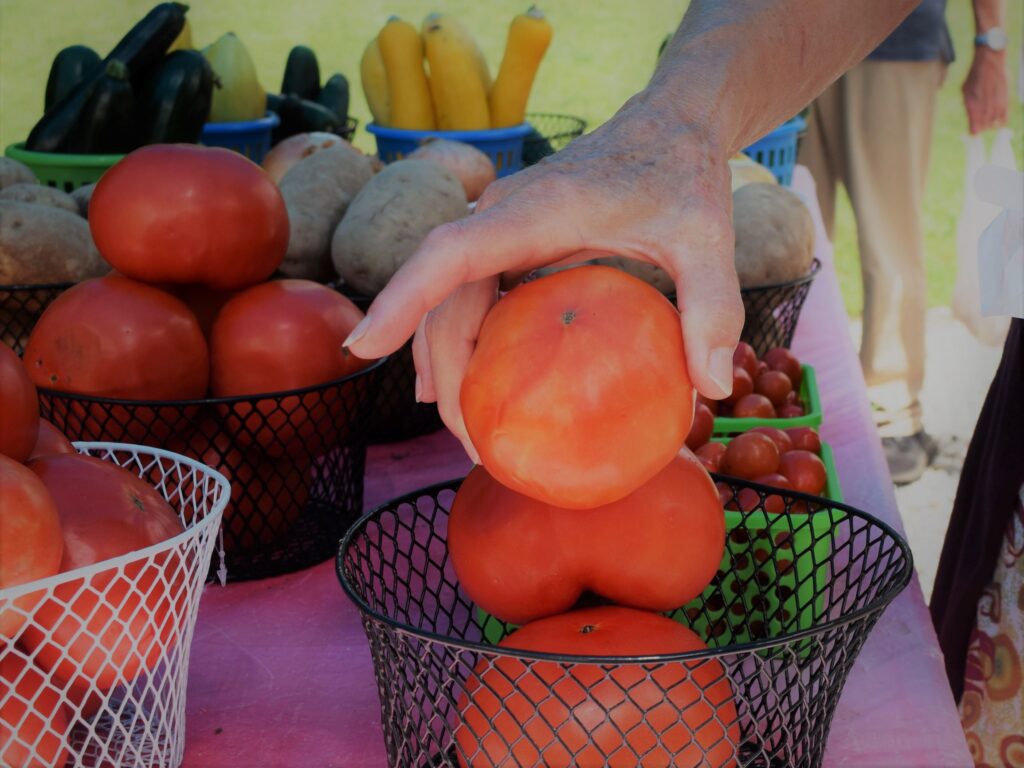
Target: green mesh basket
x: 65, y: 172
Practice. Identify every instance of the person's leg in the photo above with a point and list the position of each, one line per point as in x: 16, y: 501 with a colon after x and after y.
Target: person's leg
x: 821, y: 149
x: 889, y: 110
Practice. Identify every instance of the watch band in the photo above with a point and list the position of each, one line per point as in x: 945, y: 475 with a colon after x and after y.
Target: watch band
x: 994, y: 38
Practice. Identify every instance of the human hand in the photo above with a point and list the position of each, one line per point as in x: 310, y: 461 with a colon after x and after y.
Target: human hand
x: 642, y: 186
x: 985, y: 91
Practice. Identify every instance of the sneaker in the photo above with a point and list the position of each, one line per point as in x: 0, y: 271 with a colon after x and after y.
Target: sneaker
x: 908, y: 457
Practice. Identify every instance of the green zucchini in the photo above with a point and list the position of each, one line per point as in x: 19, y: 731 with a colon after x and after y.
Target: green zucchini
x: 303, y: 116
x: 110, y: 123
x: 301, y: 74
x: 143, y: 48
x: 69, y: 69
x: 176, y: 101
x: 334, y: 96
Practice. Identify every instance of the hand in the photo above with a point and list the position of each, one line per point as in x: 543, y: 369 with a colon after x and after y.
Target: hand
x: 641, y: 186
x: 985, y: 91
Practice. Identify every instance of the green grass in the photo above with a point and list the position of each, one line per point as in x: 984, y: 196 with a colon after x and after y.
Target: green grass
x: 603, y: 52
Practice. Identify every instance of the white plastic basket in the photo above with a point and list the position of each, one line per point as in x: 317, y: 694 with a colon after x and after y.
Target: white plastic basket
x: 124, y: 703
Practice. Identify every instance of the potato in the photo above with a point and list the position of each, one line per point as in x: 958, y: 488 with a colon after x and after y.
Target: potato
x: 317, y: 191
x: 43, y: 244
x: 390, y: 217
x: 82, y: 196
x: 745, y: 171
x: 649, y: 273
x: 774, y: 235
x: 13, y: 172
x: 39, y: 195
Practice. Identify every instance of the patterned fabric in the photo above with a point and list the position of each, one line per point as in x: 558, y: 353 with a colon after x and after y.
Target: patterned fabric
x: 992, y: 706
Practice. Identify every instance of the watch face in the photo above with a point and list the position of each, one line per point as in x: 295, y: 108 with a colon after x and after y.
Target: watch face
x: 995, y: 39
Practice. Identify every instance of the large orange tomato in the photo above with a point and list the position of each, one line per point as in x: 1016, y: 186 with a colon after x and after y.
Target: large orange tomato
x: 30, y: 539
x: 278, y: 336
x: 33, y: 723
x: 19, y: 407
x: 577, y: 392
x: 519, y: 712
x: 49, y: 441
x: 105, y: 628
x: 521, y: 559
x: 188, y: 214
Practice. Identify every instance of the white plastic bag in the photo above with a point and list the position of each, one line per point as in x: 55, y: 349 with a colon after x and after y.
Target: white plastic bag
x: 977, y: 214
x: 1001, y: 247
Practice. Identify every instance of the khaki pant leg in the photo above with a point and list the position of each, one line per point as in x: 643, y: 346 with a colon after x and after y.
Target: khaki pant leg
x: 888, y: 111
x: 822, y: 150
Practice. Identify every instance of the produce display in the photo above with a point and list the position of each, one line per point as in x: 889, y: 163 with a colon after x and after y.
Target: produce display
x: 766, y: 388
x: 306, y: 106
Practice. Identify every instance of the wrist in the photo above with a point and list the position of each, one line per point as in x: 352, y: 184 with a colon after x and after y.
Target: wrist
x: 680, y: 123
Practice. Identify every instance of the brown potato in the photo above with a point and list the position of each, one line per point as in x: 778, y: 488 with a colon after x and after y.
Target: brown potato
x: 774, y: 235
x: 38, y: 194
x: 13, y: 172
x: 42, y: 244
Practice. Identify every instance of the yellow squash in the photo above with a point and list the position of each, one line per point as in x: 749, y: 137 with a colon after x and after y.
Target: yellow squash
x: 462, y: 35
x: 401, y: 48
x: 375, y: 84
x: 528, y: 38
x: 239, y: 95
x: 460, y: 98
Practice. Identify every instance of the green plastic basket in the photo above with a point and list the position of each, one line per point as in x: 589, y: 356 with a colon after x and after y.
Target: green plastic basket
x: 65, y: 172
x: 728, y: 425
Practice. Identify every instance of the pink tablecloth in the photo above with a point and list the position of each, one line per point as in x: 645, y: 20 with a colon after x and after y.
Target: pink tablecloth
x: 281, y: 673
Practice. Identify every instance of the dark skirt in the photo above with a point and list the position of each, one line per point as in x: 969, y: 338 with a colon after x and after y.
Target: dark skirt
x: 990, y: 482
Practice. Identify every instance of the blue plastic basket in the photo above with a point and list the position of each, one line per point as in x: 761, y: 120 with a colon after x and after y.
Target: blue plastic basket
x: 503, y: 145
x: 777, y: 150
x: 250, y: 137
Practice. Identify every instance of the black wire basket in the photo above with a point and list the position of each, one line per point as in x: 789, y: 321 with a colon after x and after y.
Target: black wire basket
x: 772, y: 311
x: 349, y: 131
x: 449, y: 697
x: 20, y: 309
x: 550, y: 133
x: 295, y: 461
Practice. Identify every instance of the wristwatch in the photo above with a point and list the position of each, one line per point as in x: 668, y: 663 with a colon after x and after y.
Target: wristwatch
x: 994, y: 38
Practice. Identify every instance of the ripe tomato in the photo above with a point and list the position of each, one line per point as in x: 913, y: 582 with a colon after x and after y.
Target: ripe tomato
x: 805, y: 471
x: 791, y: 411
x: 781, y: 359
x: 49, y: 442
x: 775, y: 504
x: 778, y: 436
x: 520, y: 712
x: 702, y: 427
x: 750, y: 455
x: 746, y: 358
x: 129, y: 614
x: 205, y: 303
x: 30, y: 539
x: 753, y: 407
x: 577, y: 392
x: 805, y: 439
x: 521, y: 559
x: 742, y: 385
x: 711, y: 405
x: 33, y: 722
x: 775, y: 385
x: 19, y: 414
x: 189, y: 214
x: 278, y: 336
x: 710, y: 456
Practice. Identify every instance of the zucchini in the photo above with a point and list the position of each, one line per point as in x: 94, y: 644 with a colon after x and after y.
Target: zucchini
x: 401, y: 48
x: 334, y: 95
x: 460, y: 99
x: 301, y: 74
x: 110, y: 123
x: 303, y: 116
x: 177, y: 99
x: 70, y: 68
x: 528, y: 38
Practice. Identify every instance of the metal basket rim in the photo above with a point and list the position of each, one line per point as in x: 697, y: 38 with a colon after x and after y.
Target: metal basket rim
x: 811, y: 274
x: 875, y: 606
x: 206, y: 401
x: 36, y: 286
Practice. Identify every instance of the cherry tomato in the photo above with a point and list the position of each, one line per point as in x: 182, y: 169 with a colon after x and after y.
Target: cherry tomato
x: 781, y: 359
x: 791, y: 411
x: 775, y: 385
x: 774, y: 503
x: 33, y: 723
x: 711, y: 405
x: 805, y: 439
x: 753, y: 406
x: 49, y: 441
x: 762, y: 367
x: 778, y: 436
x: 702, y: 427
x: 805, y: 470
x: 710, y: 455
x: 750, y: 455
x: 742, y: 385
x: 745, y: 358
x: 19, y: 414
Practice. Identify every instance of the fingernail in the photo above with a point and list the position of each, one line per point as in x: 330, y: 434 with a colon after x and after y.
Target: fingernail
x: 473, y: 455
x: 418, y: 389
x: 358, y: 332
x: 720, y: 369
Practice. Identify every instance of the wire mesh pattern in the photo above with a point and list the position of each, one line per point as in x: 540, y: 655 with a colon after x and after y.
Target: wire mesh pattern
x: 551, y: 132
x: 762, y: 695
x: 772, y: 311
x: 20, y: 309
x: 95, y: 661
x: 295, y: 461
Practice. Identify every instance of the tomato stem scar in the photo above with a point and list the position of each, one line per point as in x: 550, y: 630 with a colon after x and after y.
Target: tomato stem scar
x: 568, y: 316
x: 586, y: 629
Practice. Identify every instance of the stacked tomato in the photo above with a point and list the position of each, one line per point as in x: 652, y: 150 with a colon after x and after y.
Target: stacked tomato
x: 194, y: 233
x: 60, y: 511
x: 578, y: 400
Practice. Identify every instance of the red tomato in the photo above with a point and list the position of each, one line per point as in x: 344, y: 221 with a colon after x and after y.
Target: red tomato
x: 781, y: 359
x: 49, y: 441
x: 128, y: 615
x: 791, y: 411
x: 805, y: 438
x: 775, y: 385
x: 711, y: 405
x: 762, y: 367
x: 742, y: 385
x: 33, y: 723
x: 775, y: 504
x: 189, y: 214
x: 19, y: 416
x: 520, y: 559
x: 746, y: 358
x: 30, y: 539
x: 753, y: 407
x: 778, y: 436
x: 518, y: 712
x: 710, y: 456
x: 577, y: 392
x: 702, y: 427
x: 205, y: 303
x: 750, y: 455
x: 805, y: 471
